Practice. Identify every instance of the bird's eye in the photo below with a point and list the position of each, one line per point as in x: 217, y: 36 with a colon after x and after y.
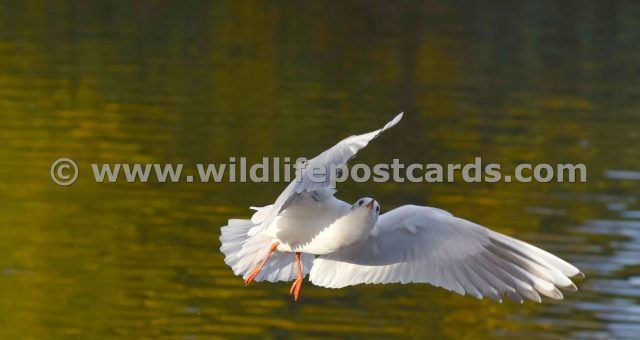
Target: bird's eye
x: 378, y: 209
x: 360, y: 202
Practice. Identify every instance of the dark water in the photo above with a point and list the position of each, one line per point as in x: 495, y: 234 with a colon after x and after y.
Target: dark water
x: 158, y: 82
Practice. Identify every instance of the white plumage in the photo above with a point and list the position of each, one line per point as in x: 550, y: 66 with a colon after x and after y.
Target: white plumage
x: 340, y: 244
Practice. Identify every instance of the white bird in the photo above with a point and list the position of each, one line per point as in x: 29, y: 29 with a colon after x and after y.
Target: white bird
x: 309, y: 231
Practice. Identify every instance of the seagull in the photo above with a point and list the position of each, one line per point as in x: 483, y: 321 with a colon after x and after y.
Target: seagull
x: 308, y: 231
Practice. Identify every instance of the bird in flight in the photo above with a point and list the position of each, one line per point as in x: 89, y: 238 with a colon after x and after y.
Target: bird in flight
x: 308, y: 231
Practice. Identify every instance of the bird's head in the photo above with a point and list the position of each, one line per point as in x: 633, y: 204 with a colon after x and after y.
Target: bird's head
x: 366, y: 208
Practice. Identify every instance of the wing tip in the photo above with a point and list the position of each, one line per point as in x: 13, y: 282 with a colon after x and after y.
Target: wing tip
x: 394, y: 121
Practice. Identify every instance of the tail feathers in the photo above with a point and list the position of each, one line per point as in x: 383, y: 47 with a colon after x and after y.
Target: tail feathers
x: 244, y: 252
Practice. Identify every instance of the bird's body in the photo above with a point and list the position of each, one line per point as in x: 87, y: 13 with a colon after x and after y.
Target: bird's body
x: 309, y: 231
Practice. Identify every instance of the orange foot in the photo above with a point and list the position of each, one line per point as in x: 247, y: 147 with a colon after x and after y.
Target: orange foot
x: 256, y: 271
x: 295, y: 288
x: 297, y: 284
x: 252, y: 276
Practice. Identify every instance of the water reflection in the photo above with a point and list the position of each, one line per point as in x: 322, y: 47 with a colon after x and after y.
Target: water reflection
x: 538, y: 82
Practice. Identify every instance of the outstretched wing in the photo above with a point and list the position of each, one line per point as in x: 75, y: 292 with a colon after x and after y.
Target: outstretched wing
x: 338, y: 155
x: 422, y: 244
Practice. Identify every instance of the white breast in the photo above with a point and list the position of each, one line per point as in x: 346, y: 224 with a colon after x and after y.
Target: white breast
x: 307, y: 225
x: 347, y: 230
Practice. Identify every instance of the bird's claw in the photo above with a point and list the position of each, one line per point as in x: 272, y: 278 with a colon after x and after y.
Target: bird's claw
x: 295, y: 288
x: 256, y: 271
x: 251, y: 277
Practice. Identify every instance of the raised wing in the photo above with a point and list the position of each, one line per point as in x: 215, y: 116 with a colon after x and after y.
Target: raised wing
x: 429, y: 245
x: 339, y: 154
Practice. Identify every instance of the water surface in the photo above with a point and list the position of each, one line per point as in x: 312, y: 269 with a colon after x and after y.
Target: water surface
x: 162, y: 82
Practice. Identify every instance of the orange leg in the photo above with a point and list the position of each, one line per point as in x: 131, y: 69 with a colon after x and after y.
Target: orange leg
x: 297, y: 284
x: 256, y: 271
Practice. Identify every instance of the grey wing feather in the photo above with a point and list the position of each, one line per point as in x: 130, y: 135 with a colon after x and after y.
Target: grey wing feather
x: 422, y: 244
x: 339, y: 154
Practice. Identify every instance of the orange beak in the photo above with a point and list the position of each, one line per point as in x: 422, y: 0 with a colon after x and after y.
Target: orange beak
x: 370, y: 205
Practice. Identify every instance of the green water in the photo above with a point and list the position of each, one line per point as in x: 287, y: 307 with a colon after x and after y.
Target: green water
x: 170, y: 82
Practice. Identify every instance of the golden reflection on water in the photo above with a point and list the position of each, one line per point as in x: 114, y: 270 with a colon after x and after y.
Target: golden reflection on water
x: 197, y: 83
